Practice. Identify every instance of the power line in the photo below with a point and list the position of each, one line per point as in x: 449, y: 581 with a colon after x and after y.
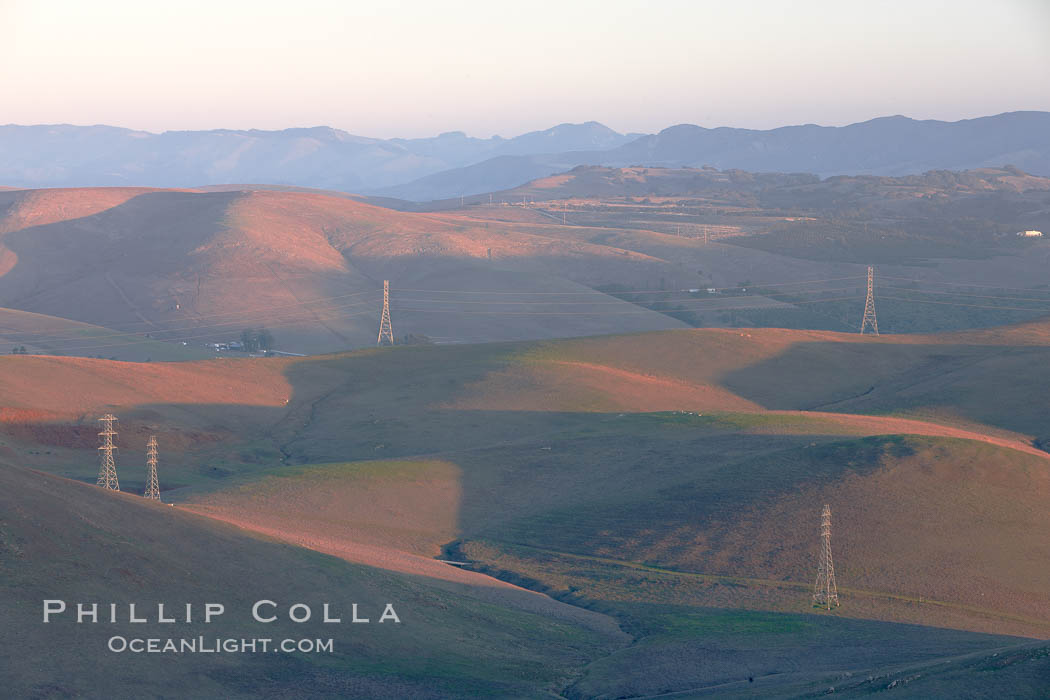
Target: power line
x: 605, y: 302
x: 641, y: 310
x: 700, y: 305
x: 291, y: 316
x: 71, y: 334
x: 134, y: 337
x: 968, y: 284
x: 758, y: 285
x: 968, y: 306
x: 615, y: 313
x: 963, y: 294
x: 689, y: 304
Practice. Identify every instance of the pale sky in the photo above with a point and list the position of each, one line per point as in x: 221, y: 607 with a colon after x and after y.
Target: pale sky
x: 417, y: 68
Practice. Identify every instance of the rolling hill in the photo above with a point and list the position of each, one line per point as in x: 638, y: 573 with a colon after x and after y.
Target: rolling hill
x: 788, y: 190
x: 603, y: 251
x: 672, y: 480
x: 944, y: 244
x: 971, y: 214
x: 459, y: 638
x: 203, y: 266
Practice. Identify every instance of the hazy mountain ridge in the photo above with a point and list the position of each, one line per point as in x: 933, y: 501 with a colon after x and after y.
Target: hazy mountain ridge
x: 884, y: 146
x: 457, y: 146
x: 320, y: 157
x: 893, y: 145
x: 454, y: 164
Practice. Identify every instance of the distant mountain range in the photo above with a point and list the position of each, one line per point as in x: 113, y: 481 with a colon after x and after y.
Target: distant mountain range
x: 319, y: 157
x: 454, y: 164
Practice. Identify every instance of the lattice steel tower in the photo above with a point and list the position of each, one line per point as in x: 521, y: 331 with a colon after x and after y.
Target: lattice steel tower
x: 869, y: 306
x: 825, y: 591
x: 385, y: 330
x: 107, y: 471
x: 152, y: 487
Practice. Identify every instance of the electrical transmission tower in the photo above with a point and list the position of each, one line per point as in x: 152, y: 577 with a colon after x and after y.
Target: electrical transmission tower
x: 869, y: 306
x: 152, y: 487
x: 107, y: 471
x: 825, y: 592
x: 385, y: 330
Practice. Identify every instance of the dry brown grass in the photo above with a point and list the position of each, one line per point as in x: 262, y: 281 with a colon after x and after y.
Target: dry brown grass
x: 731, y: 370
x: 48, y: 206
x: 173, y: 260
x: 69, y: 387
x: 952, y: 522
x: 587, y: 386
x: 407, y: 506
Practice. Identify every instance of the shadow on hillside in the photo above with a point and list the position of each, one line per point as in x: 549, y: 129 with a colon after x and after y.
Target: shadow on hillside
x: 690, y: 648
x: 989, y: 384
x: 671, y: 488
x: 102, y: 267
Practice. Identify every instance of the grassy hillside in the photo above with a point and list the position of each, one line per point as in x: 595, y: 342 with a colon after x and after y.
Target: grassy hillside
x: 418, y: 400
x: 202, y: 267
x: 680, y: 643
x: 199, y: 267
x: 62, y: 540
x: 671, y: 480
x: 748, y: 523
x: 49, y: 335
x: 969, y: 380
x: 945, y: 242
x: 861, y: 219
x: 747, y: 509
x: 410, y: 401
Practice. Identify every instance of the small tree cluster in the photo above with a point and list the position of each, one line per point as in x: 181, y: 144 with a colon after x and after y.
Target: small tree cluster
x: 256, y: 339
x: 19, y: 350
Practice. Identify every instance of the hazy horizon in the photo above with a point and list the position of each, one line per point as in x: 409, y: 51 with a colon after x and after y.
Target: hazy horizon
x: 413, y: 69
x: 507, y: 135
